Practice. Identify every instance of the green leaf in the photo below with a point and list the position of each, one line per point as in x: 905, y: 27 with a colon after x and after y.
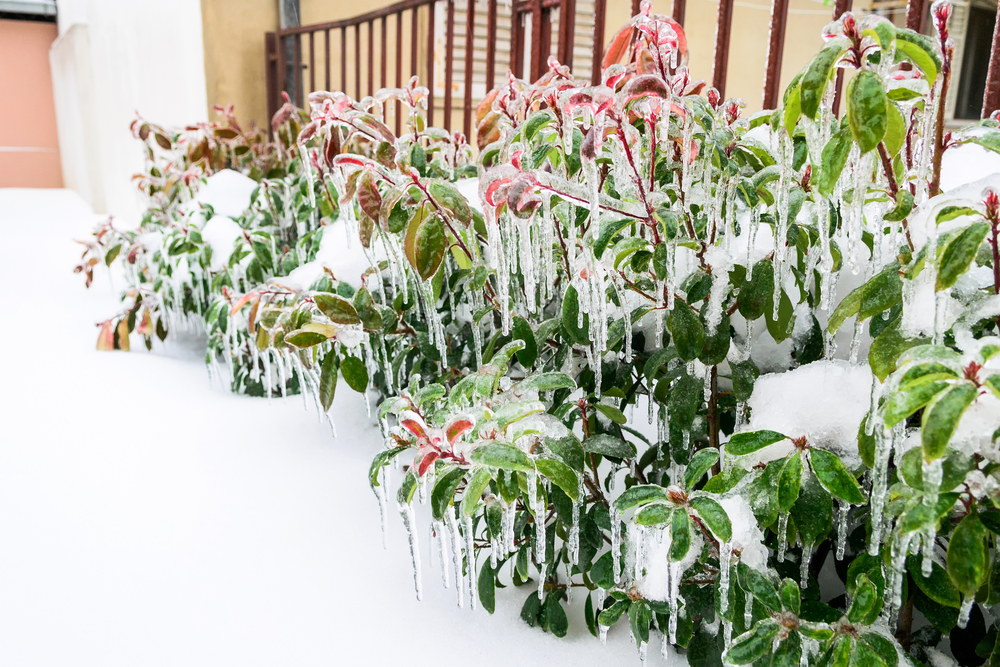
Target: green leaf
x: 835, y: 477
x: 884, y: 647
x: 865, y: 596
x: 328, y: 380
x: 753, y: 644
x: 381, y: 459
x: 500, y: 455
x: 680, y: 533
x: 589, y: 616
x: 337, y: 308
x: 685, y: 397
x: 968, y: 557
x: 895, y: 136
x: 407, y: 488
x: 887, y: 347
x: 990, y: 141
x: 920, y: 50
x: 656, y: 361
x: 813, y: 84
x: 444, y: 491
x: 938, y: 586
x: 611, y: 412
x: 863, y: 655
x: 522, y: 331
x: 452, y: 200
x: 474, y: 490
x: 760, y: 586
x: 866, y: 114
x: 812, y: 511
x: 487, y: 587
x: 561, y: 475
x: 641, y: 494
x: 355, y: 373
x: 568, y: 450
x: 904, y: 205
x: 655, y: 514
x: 607, y: 231
x: 570, y: 312
x: 941, y: 419
x: 610, y: 616
x: 546, y: 382
x: 833, y: 158
x: 748, y: 442
x: 608, y: 445
x: 640, y: 616
x: 791, y: 597
x: 959, y: 253
x: 901, y: 404
x: 790, y: 481
x: 700, y: 463
x: 687, y: 331
x: 756, y: 292
x: 555, y: 616
x: 713, y: 516
x: 881, y: 293
x: 310, y: 334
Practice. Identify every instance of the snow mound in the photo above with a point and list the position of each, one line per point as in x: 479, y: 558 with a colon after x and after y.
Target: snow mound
x: 341, y: 251
x: 966, y: 163
x: 228, y: 192
x: 748, y: 539
x: 220, y: 234
x: 824, y: 401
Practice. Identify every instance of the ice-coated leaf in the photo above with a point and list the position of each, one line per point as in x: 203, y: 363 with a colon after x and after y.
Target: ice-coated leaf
x: 756, y: 292
x: 640, y: 617
x: 699, y: 464
x: 561, y: 475
x: 887, y: 347
x: 789, y: 481
x: 449, y: 198
x: 789, y: 651
x: 713, y: 516
x: 833, y: 159
x: 884, y: 647
x: 444, y: 490
x: 959, y: 253
x: 881, y: 293
x: 607, y: 231
x: 760, y: 586
x: 903, y: 207
x: 686, y: 331
x: 658, y: 360
x: 328, y: 380
x: 641, y: 495
x: 487, y: 587
x: 753, y: 644
x: 337, y: 308
x: 555, y: 616
x: 500, y: 455
x: 680, y: 533
x: 570, y: 311
x: 866, y: 103
x: 654, y: 514
x: 610, y: 616
x: 791, y: 597
x: 513, y: 412
x: 938, y: 586
x: 546, y: 382
x: 923, y: 515
x: 863, y: 655
x: 968, y: 557
x: 865, y: 596
x: 926, y: 372
x: 748, y: 442
x: 903, y: 403
x: 684, y: 399
x: 920, y: 50
x: 812, y: 85
x: 608, y: 445
x: 522, y: 331
x: 941, y: 418
x: 407, y: 488
x: 311, y: 334
x: 835, y: 477
x: 474, y: 490
x: 895, y: 138
x: 355, y: 373
x: 381, y: 459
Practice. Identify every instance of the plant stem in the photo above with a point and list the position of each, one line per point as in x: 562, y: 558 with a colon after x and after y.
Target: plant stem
x: 939, y: 142
x: 713, y: 416
x: 883, y: 154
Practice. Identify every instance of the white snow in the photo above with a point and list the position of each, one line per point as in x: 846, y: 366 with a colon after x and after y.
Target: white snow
x: 227, y: 192
x: 220, y: 233
x: 469, y: 187
x: 824, y: 401
x: 149, y: 518
x: 747, y: 538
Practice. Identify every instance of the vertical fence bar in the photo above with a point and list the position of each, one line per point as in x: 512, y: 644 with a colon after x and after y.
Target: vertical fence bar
x: 723, y: 28
x: 840, y: 8
x: 449, y: 61
x: 414, y: 34
x: 357, y: 61
x: 677, y: 10
x: 371, y: 57
x: 271, y: 73
x: 491, y: 45
x: 282, y: 67
x: 516, y: 41
x: 326, y: 58
x: 299, y: 79
x: 343, y: 60
x: 382, y: 64
x: 567, y: 31
x: 635, y: 7
x: 991, y: 98
x: 537, y: 24
x: 775, y: 48
x: 470, y: 47
x: 312, y: 61
x: 399, y: 66
x: 430, y: 63
x: 595, y: 69
x: 915, y: 13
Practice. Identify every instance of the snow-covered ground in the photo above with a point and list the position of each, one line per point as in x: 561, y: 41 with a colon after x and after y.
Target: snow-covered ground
x: 150, y: 518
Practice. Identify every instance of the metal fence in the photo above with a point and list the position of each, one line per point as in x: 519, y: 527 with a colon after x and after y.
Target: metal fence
x: 293, y: 51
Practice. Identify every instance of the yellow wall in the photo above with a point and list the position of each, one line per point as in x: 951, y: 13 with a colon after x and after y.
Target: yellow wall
x: 233, y: 32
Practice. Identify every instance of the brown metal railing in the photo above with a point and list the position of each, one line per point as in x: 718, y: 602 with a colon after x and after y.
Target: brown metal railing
x: 349, y: 32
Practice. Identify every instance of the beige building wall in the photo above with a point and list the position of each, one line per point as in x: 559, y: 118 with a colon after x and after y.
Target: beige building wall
x: 233, y: 32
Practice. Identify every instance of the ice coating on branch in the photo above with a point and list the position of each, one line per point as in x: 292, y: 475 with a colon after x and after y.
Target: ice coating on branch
x: 228, y: 192
x: 824, y: 401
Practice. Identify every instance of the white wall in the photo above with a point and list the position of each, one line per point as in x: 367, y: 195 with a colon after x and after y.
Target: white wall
x: 145, y: 56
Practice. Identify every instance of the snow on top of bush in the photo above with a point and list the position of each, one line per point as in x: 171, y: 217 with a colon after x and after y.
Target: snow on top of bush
x: 748, y: 538
x: 824, y: 401
x: 655, y: 582
x: 228, y: 192
x: 220, y: 234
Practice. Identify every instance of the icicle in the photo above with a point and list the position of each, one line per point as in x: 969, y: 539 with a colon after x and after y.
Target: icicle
x: 673, y: 599
x: 602, y: 634
x: 456, y: 554
x: 382, y: 510
x: 538, y: 510
x: 807, y: 552
x: 748, y: 611
x: 900, y: 549
x: 443, y: 549
x: 966, y: 610
x: 470, y: 558
x: 616, y: 541
x: 409, y: 521
x: 725, y: 557
x: 879, y: 491
x: 573, y: 546
x: 664, y: 646
x: 842, y: 510
x: 642, y: 652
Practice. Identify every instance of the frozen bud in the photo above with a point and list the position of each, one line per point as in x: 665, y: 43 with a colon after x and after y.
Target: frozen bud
x: 850, y: 25
x: 645, y: 7
x: 976, y: 482
x: 713, y: 97
x: 995, y: 115
x: 992, y: 203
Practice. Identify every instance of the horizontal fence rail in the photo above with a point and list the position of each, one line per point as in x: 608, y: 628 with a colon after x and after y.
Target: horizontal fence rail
x: 293, y: 65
